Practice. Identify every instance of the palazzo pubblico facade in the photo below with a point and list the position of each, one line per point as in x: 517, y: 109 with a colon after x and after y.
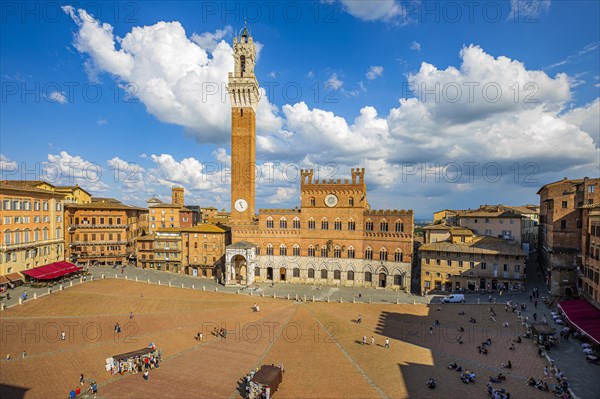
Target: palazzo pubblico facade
x: 333, y: 238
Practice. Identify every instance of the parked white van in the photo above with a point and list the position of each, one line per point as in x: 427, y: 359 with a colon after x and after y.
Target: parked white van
x: 454, y: 298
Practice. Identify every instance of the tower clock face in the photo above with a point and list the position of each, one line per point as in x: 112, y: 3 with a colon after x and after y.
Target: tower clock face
x: 241, y: 205
x: 331, y: 200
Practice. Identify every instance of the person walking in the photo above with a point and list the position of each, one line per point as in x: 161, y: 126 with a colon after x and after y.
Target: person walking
x: 387, y: 343
x: 372, y: 340
x: 364, y: 340
x: 81, y: 380
x: 63, y: 336
x: 94, y: 388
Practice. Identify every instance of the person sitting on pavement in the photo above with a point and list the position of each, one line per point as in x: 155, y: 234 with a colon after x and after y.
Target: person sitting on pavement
x: 531, y: 381
x: 431, y: 383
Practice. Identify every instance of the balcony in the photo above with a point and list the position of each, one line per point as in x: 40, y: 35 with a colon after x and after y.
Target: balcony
x: 30, y: 244
x: 122, y: 242
x: 97, y: 226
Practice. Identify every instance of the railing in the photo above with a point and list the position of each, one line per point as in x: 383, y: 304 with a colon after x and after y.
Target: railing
x: 29, y: 244
x: 98, y: 242
x: 99, y: 226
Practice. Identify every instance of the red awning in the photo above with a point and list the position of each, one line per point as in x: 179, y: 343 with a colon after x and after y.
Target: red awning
x: 52, y: 270
x: 584, y: 316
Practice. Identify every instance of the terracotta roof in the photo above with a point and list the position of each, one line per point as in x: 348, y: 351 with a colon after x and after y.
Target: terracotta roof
x: 104, y: 205
x: 565, y: 180
x: 461, y: 231
x: 169, y: 230
x: 480, y: 245
x: 25, y: 183
x: 437, y: 227
x: 164, y: 205
x: 483, y: 213
x: 591, y: 206
x: 521, y: 209
x: 105, y: 199
x: 30, y: 189
x: 149, y: 237
x: 203, y: 228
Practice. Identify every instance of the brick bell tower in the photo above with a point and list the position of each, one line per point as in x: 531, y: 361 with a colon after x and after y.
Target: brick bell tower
x: 243, y: 94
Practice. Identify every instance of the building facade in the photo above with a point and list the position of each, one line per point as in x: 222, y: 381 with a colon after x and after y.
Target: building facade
x: 333, y: 238
x: 467, y: 261
x: 32, y: 225
x: 589, y: 270
x: 561, y: 223
x: 172, y: 216
x: 197, y: 251
x: 102, y: 232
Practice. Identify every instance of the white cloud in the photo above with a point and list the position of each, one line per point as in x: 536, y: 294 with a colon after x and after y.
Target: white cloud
x: 209, y: 40
x: 128, y: 174
x: 189, y: 172
x: 6, y: 165
x: 587, y: 118
x: 374, y: 72
x: 333, y: 82
x: 57, y: 97
x: 586, y: 49
x: 66, y: 169
x: 102, y: 122
x: 415, y: 46
x: 373, y: 10
x: 222, y: 157
x: 310, y: 74
x: 283, y: 194
x: 177, y: 79
x: 523, y: 128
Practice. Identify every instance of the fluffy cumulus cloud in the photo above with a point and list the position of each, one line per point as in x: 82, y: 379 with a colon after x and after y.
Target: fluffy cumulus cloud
x: 66, y: 169
x: 7, y: 167
x: 129, y: 175
x: 491, y: 109
x: 180, y: 80
x: 333, y: 82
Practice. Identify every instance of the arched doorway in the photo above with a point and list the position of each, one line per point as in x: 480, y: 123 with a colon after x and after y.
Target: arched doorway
x: 239, y: 269
x: 282, y: 273
x: 494, y: 285
x: 269, y: 273
x: 568, y: 292
x: 382, y: 280
x: 482, y: 284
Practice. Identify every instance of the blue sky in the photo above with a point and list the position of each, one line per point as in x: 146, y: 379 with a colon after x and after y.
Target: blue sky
x: 446, y: 105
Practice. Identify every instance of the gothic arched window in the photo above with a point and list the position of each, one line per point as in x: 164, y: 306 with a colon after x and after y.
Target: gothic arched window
x: 242, y: 63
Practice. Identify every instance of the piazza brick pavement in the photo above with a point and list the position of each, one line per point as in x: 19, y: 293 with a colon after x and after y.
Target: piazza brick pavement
x: 319, y: 345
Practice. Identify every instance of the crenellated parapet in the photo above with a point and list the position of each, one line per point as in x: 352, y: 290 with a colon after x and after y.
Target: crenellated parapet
x: 264, y: 211
x: 384, y: 212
